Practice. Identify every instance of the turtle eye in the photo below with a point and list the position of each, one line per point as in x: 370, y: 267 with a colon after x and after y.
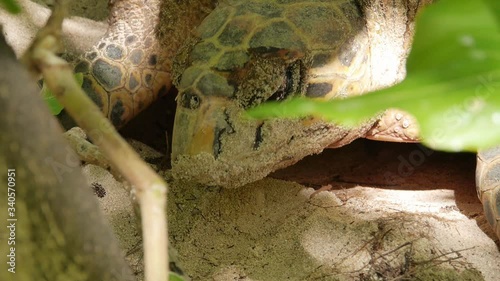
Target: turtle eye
x: 190, y: 100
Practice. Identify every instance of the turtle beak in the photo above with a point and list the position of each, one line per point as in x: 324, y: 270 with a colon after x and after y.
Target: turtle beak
x: 199, y: 130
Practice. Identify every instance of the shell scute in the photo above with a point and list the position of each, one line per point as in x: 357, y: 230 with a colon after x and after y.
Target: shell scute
x: 142, y: 98
x: 203, y: 52
x: 133, y: 81
x: 121, y: 107
x: 347, y: 56
x: 161, y: 80
x: 214, y: 22
x: 136, y: 56
x: 279, y: 35
x: 488, y: 184
x: 236, y: 31
x: 114, y: 52
x: 189, y: 77
x: 131, y: 39
x: 352, y: 12
x: 491, y: 178
x: 117, y: 113
x: 300, y: 1
x: 317, y: 90
x: 320, y: 59
x: 96, y: 93
x: 91, y: 56
x: 490, y: 154
x: 491, y: 212
x: 153, y: 60
x: 311, y: 21
x: 108, y: 75
x: 148, y: 79
x: 213, y: 84
x: 231, y: 60
x: 268, y: 10
x: 82, y: 67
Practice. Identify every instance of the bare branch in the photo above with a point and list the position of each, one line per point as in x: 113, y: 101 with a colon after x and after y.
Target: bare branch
x: 150, y: 188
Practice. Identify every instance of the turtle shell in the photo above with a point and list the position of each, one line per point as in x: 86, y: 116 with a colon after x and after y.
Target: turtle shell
x: 235, y: 36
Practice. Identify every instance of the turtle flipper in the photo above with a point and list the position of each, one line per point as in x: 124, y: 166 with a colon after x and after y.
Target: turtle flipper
x: 488, y: 185
x: 124, y: 71
x: 130, y: 67
x: 396, y: 126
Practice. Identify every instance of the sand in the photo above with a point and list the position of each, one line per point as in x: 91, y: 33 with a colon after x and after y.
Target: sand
x: 348, y: 220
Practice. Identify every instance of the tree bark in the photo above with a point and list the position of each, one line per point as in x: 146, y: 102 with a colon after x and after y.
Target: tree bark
x: 60, y: 232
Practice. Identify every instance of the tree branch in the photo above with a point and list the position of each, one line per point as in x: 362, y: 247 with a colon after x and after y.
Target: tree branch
x: 150, y: 188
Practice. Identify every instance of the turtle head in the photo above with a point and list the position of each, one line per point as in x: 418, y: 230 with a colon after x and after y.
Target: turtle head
x: 215, y: 144
x: 201, y: 119
x: 244, y: 55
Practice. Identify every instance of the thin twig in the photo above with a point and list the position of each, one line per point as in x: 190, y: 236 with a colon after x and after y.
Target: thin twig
x: 150, y: 188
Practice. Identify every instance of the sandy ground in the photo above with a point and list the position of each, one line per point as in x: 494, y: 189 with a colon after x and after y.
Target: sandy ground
x: 347, y: 214
x: 21, y: 29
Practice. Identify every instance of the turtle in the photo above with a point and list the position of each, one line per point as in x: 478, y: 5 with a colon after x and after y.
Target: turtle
x: 230, y: 55
x: 248, y: 52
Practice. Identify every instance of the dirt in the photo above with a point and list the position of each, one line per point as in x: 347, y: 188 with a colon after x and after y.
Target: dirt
x: 368, y: 211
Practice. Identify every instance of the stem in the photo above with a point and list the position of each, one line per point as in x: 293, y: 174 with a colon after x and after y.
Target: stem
x: 151, y: 189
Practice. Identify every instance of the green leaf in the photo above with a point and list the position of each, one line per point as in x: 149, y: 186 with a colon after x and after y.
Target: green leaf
x: 452, y: 86
x: 79, y: 78
x: 495, y: 8
x: 47, y: 95
x: 174, y: 277
x: 11, y: 6
x: 54, y: 106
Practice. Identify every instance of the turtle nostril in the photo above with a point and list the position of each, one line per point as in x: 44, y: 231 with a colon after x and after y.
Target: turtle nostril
x: 190, y: 100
